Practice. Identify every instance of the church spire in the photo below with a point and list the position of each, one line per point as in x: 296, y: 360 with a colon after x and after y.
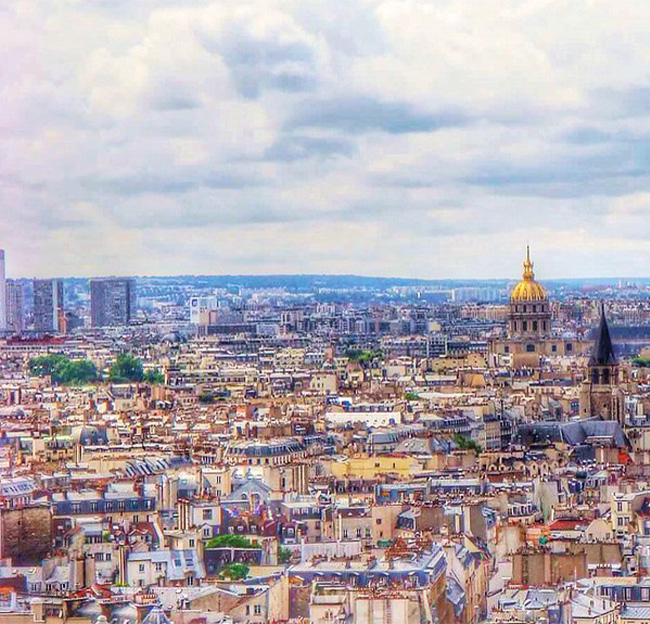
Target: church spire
x: 603, y: 353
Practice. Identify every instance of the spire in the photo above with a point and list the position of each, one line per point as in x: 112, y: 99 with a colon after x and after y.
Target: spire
x: 528, y: 266
x: 603, y: 353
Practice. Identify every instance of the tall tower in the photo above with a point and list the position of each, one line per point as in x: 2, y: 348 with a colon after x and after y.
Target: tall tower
x: 3, y: 300
x: 48, y: 305
x: 600, y: 395
x: 112, y: 301
x: 15, y: 306
x: 529, y: 315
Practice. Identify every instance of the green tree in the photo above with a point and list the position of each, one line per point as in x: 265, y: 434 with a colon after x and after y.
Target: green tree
x: 411, y: 396
x: 153, y: 376
x: 465, y: 443
x: 63, y: 370
x: 230, y: 541
x: 364, y: 356
x: 284, y: 554
x: 234, y: 571
x: 126, y: 368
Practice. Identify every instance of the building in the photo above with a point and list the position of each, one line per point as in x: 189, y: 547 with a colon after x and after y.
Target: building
x: 15, y: 306
x: 49, y: 314
x: 529, y: 334
x: 529, y: 314
x: 3, y: 304
x: 112, y: 301
x: 600, y: 394
x: 200, y: 307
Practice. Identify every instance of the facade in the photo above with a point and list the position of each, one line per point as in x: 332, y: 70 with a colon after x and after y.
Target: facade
x: 3, y: 304
x: 15, y: 306
x: 200, y: 308
x: 49, y: 313
x: 112, y: 301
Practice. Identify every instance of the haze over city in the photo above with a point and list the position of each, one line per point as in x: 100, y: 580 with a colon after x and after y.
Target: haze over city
x: 408, y: 138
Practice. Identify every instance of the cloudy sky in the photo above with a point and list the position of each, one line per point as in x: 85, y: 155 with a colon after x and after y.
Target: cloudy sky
x: 415, y: 138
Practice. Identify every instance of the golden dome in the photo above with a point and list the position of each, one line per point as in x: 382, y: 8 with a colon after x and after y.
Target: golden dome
x: 527, y: 289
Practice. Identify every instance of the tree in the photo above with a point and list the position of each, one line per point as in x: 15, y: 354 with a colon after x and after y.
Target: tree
x: 126, y: 368
x: 153, y: 376
x: 234, y: 571
x: 63, y: 370
x: 228, y: 540
x: 364, y: 356
x: 284, y: 554
x: 466, y: 444
x: 411, y: 396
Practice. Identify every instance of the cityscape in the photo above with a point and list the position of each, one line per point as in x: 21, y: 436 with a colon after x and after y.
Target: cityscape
x: 322, y: 449
x: 324, y: 312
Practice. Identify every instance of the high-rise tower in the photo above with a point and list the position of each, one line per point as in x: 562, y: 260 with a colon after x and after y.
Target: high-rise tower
x: 49, y: 313
x: 15, y: 306
x: 112, y: 301
x: 3, y: 300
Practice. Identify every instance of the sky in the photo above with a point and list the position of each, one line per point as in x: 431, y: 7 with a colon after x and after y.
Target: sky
x: 412, y: 138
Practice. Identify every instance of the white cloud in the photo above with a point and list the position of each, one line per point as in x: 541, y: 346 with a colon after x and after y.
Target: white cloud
x: 399, y: 137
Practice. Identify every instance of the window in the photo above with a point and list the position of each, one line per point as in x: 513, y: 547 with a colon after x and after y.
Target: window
x: 506, y: 349
x: 108, y: 556
x: 534, y: 325
x: 530, y: 348
x: 378, y: 521
x: 141, y: 567
x: 191, y: 543
x: 206, y: 532
x: 524, y: 325
x: 569, y: 347
x: 258, y: 609
x: 554, y: 348
x: 99, y: 556
x: 159, y: 567
x: 207, y: 514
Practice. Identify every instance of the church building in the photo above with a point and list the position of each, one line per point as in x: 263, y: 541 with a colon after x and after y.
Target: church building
x: 529, y: 332
x: 601, y: 394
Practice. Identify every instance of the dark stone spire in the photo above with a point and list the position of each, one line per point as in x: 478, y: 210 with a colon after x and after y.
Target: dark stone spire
x: 603, y: 353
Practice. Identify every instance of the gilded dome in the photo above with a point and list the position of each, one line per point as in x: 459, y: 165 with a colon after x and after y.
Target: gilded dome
x: 527, y: 289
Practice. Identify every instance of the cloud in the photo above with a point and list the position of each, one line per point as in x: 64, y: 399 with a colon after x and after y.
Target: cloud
x: 363, y: 114
x: 383, y: 137
x: 295, y: 148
